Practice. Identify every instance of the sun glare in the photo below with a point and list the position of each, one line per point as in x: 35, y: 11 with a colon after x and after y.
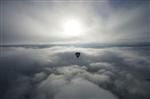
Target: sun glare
x: 72, y: 28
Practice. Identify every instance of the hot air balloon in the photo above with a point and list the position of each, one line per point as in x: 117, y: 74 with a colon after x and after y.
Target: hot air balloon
x: 77, y: 54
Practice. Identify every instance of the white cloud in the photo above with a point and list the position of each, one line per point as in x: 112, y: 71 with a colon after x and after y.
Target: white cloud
x: 55, y: 72
x: 83, y: 89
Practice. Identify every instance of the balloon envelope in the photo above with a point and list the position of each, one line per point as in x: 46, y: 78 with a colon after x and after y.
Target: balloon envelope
x: 77, y: 54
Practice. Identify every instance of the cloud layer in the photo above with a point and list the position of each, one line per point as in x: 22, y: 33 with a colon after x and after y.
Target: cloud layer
x: 32, y: 21
x: 55, y: 73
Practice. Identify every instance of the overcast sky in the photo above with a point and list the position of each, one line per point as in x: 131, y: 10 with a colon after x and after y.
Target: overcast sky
x: 36, y: 21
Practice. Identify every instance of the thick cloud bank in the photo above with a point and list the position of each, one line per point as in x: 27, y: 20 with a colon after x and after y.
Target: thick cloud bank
x: 55, y: 73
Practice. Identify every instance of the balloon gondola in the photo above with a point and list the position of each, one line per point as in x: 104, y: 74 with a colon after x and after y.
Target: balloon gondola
x: 77, y: 54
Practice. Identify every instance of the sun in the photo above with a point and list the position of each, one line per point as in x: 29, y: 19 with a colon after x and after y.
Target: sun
x: 72, y: 28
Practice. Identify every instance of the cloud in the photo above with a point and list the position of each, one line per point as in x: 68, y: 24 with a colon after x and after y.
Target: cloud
x: 103, y: 21
x: 55, y: 72
x: 82, y: 89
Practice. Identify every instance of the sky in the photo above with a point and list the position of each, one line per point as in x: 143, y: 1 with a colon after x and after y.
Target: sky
x: 74, y: 21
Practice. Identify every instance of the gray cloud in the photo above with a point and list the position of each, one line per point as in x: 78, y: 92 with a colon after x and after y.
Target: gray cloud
x: 55, y: 72
x: 106, y: 21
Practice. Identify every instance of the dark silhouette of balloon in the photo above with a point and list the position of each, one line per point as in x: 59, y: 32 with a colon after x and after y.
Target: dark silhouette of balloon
x: 77, y: 54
